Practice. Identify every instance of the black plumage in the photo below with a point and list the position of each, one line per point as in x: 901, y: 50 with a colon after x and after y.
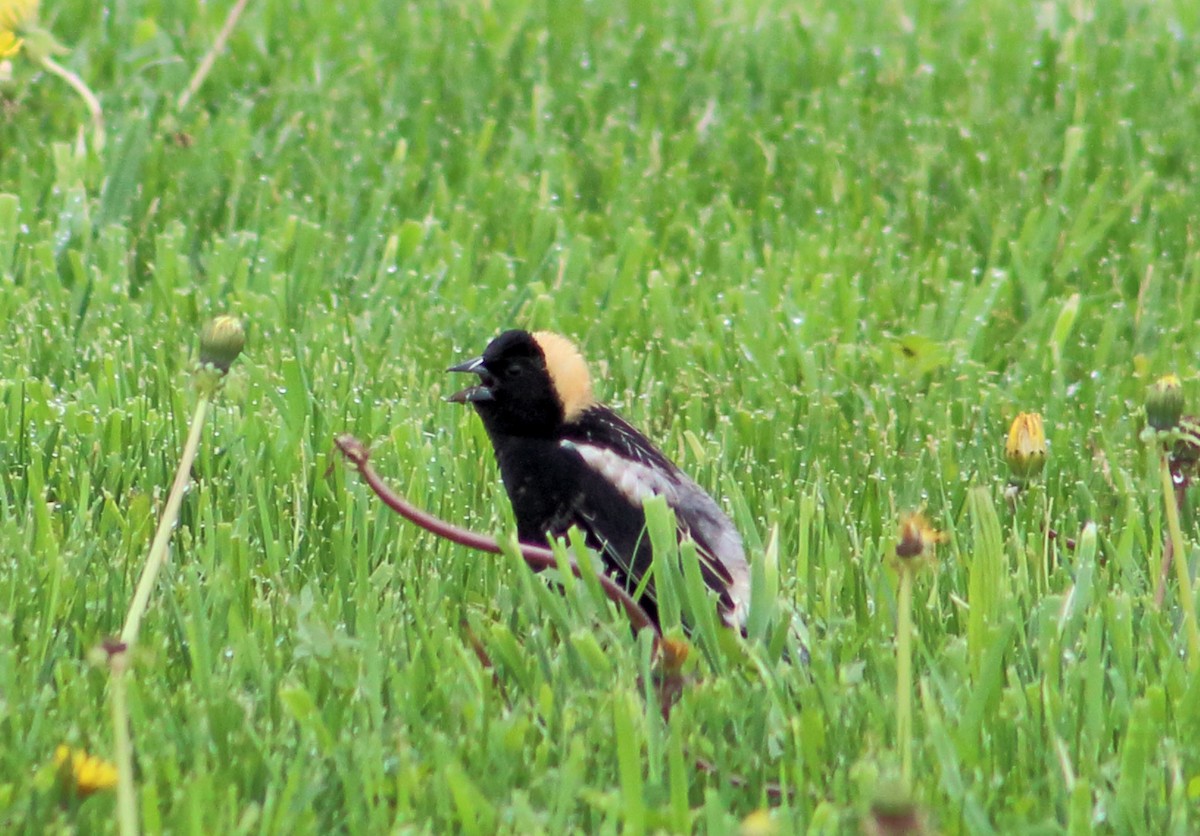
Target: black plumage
x: 567, y: 460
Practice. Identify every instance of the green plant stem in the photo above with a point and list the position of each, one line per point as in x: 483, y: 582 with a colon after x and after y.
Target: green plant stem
x: 904, y: 629
x: 126, y: 793
x: 210, y: 57
x: 1187, y: 598
x: 89, y: 98
x: 166, y: 524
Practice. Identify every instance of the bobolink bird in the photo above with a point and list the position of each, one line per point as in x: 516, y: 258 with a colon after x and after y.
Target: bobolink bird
x: 566, y: 460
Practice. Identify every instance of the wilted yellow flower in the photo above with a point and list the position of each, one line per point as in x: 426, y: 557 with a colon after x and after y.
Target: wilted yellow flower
x: 221, y: 342
x: 82, y: 773
x: 1025, y: 451
x: 14, y: 15
x: 668, y: 677
x: 1164, y: 403
x: 917, y: 537
x: 673, y: 654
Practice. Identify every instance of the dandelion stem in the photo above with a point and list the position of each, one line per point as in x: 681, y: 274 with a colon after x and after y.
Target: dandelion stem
x: 1187, y: 598
x: 206, y: 63
x: 904, y: 629
x: 89, y: 98
x: 1168, y: 554
x: 166, y: 524
x: 126, y: 792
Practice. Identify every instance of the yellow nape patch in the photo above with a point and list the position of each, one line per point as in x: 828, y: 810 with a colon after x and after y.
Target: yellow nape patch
x: 568, y: 372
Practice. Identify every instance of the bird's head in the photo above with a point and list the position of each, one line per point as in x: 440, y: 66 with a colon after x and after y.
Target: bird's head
x: 529, y: 383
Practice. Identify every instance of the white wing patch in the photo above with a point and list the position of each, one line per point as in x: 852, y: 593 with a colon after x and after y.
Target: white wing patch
x: 634, y: 480
x: 696, y: 512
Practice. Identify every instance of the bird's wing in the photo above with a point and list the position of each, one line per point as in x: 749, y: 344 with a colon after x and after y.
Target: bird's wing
x: 637, y: 472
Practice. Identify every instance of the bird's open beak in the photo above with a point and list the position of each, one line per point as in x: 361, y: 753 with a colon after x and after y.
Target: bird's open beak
x: 473, y: 394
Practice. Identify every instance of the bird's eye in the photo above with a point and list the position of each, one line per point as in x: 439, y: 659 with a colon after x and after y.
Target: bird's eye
x: 513, y: 372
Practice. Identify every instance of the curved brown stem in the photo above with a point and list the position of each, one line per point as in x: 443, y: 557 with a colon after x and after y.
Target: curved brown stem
x: 536, y: 557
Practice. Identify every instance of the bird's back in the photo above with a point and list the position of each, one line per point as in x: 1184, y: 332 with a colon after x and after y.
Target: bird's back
x: 596, y: 475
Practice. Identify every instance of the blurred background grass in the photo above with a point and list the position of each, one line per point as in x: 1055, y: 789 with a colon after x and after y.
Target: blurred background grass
x: 822, y: 254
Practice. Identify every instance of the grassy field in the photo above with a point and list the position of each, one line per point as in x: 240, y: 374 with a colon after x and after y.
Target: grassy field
x: 823, y: 252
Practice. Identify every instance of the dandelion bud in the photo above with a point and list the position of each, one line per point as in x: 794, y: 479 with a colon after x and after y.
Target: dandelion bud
x: 1164, y: 403
x: 221, y: 342
x: 894, y: 813
x: 1025, y: 451
x: 758, y: 823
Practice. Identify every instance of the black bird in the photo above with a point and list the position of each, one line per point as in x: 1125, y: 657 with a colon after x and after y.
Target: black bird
x: 567, y: 460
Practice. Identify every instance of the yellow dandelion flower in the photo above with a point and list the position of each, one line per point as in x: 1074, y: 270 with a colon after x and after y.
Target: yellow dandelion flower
x: 84, y: 773
x: 14, y: 15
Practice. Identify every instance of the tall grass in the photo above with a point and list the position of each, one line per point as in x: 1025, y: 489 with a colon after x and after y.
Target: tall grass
x: 823, y: 253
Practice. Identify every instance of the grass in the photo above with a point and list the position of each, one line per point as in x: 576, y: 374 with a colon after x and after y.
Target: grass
x: 823, y: 254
